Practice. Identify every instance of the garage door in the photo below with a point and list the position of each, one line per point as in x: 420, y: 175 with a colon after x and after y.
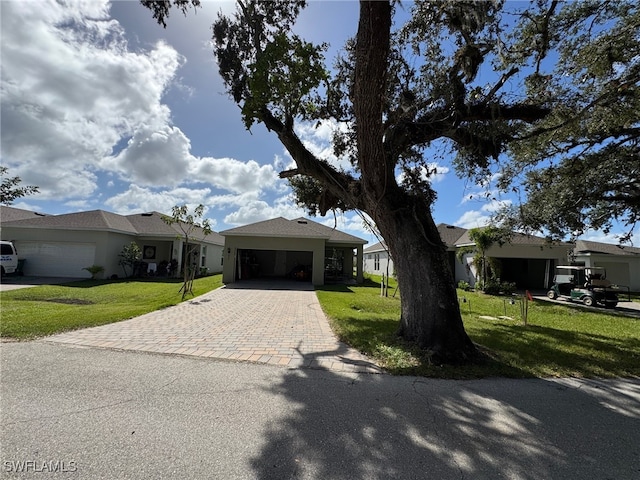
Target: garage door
x: 617, y: 273
x: 57, y: 259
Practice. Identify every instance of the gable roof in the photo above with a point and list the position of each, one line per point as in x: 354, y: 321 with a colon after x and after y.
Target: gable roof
x: 376, y: 247
x: 299, y: 227
x: 586, y: 247
x: 145, y: 224
x: 450, y: 233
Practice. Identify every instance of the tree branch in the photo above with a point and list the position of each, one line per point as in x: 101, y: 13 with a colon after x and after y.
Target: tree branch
x: 341, y: 184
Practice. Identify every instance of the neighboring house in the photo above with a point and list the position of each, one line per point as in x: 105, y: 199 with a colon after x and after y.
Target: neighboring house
x: 622, y: 262
x: 526, y: 260
x: 377, y: 260
x: 62, y: 245
x: 297, y: 248
x: 376, y: 257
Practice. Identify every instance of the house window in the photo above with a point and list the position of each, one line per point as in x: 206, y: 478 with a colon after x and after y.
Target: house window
x: 376, y: 261
x: 203, y: 260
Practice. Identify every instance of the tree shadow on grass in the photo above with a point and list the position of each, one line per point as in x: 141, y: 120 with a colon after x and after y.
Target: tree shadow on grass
x: 349, y: 426
x: 370, y: 335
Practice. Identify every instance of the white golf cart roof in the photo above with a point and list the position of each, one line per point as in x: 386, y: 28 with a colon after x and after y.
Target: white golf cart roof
x: 574, y: 267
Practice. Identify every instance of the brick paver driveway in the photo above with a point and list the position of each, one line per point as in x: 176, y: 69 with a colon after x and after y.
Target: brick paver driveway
x: 279, y: 323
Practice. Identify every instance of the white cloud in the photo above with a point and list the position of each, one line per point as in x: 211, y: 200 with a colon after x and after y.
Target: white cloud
x: 71, y: 90
x: 612, y: 237
x: 234, y: 175
x: 482, y: 217
x: 154, y: 157
x: 139, y: 199
x: 258, y: 210
x: 473, y: 219
x: 317, y: 138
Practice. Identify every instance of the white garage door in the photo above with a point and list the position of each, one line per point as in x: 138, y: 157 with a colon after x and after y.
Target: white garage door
x: 57, y: 259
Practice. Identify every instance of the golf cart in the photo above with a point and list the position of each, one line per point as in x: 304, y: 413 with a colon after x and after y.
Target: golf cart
x: 588, y: 285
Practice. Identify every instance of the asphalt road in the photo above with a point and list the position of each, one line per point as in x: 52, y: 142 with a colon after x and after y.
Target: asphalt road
x: 69, y: 412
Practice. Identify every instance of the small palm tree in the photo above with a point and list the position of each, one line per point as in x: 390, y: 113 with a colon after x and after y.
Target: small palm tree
x: 94, y: 270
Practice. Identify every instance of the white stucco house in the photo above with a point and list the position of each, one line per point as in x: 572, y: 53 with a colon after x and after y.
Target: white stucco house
x: 62, y: 245
x: 622, y: 262
x: 527, y: 260
x: 298, y: 248
x: 376, y: 256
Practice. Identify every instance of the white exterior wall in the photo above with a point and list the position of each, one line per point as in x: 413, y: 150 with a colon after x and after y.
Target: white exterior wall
x: 384, y: 261
x: 108, y: 246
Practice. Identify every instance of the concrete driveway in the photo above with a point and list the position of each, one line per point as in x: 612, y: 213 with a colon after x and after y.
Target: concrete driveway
x: 277, y: 323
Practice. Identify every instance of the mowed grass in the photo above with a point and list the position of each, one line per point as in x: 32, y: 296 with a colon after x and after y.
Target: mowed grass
x: 558, y: 340
x: 47, y: 309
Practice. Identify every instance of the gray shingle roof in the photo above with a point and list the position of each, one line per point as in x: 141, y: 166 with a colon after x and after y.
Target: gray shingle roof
x: 145, y: 224
x: 10, y: 214
x: 151, y: 224
x: 376, y: 247
x: 585, y: 246
x: 91, y: 220
x: 299, y: 227
x: 516, y: 239
x: 448, y: 233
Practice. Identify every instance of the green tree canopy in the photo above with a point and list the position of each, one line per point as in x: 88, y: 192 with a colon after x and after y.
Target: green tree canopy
x: 579, y: 168
x: 10, y: 189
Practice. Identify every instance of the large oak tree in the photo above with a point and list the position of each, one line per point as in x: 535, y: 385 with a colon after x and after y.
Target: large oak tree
x: 398, y: 96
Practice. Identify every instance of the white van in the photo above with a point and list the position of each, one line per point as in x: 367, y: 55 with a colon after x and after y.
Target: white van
x: 8, y: 257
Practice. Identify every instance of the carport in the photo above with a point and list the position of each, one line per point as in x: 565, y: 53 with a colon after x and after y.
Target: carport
x: 297, y: 249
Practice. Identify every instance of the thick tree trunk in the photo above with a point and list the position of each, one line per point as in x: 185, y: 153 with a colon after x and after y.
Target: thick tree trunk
x: 430, y: 311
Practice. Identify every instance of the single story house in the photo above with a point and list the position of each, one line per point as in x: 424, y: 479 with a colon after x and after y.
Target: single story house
x: 298, y: 248
x: 63, y: 245
x: 378, y: 262
x: 527, y: 260
x: 622, y: 262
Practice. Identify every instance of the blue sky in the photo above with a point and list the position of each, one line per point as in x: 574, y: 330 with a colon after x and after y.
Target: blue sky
x: 103, y: 109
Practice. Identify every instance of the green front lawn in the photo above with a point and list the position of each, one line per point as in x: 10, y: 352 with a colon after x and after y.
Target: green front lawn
x: 558, y: 340
x: 48, y: 309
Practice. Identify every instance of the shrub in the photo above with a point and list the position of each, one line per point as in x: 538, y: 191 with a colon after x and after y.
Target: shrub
x: 462, y: 285
x: 496, y: 287
x: 94, y: 270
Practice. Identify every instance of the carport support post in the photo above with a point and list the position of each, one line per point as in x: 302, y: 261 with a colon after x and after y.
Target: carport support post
x: 177, y: 252
x: 359, y: 264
